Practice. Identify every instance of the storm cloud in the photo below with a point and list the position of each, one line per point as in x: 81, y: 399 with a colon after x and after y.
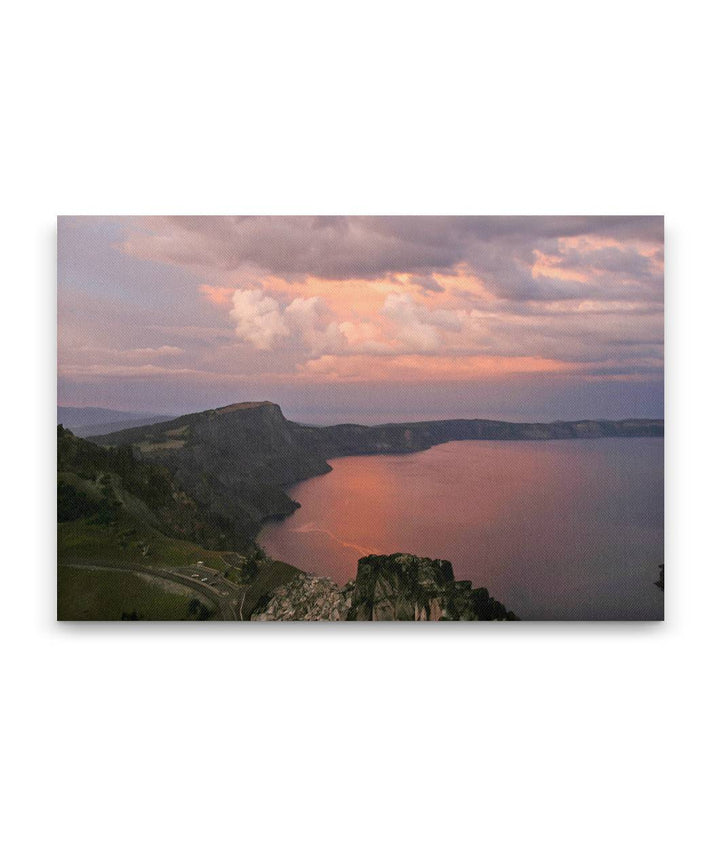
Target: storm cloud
x: 351, y: 248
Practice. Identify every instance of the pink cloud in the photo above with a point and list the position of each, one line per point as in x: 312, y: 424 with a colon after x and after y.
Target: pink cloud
x: 218, y: 295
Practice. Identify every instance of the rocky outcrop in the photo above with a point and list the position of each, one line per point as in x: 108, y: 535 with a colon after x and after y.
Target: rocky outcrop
x: 400, y: 587
x: 403, y: 587
x: 306, y: 598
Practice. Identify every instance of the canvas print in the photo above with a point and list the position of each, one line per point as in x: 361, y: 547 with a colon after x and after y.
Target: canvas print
x: 407, y: 418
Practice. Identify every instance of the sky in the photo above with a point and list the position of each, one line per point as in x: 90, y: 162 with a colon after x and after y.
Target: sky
x: 365, y: 319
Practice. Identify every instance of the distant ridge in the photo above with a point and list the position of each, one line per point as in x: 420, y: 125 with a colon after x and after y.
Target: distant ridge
x: 83, y: 421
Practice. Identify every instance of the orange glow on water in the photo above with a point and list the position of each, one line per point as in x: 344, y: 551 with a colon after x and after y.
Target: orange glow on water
x: 559, y: 529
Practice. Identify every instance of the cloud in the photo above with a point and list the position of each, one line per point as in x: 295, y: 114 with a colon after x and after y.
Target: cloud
x: 162, y: 351
x: 411, y: 329
x: 366, y: 248
x: 319, y: 298
x: 258, y: 318
x: 581, y: 332
x: 263, y: 321
x: 306, y: 323
x: 120, y: 354
x: 217, y: 295
x: 406, y: 367
x: 427, y: 283
x: 310, y: 318
x: 120, y: 370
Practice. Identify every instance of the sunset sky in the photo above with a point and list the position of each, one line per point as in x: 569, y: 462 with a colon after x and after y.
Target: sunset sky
x: 364, y: 318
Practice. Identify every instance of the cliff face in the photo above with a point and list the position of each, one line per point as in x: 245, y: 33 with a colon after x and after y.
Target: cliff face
x: 251, y: 441
x: 235, y: 461
x: 400, y: 587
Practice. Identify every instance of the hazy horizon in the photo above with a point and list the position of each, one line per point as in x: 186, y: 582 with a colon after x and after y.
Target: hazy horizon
x: 337, y: 416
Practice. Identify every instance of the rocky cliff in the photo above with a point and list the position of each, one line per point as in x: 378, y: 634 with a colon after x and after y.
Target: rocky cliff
x: 400, y: 587
x: 233, y: 461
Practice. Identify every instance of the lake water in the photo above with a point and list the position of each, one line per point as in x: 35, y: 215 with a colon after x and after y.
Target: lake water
x: 561, y: 529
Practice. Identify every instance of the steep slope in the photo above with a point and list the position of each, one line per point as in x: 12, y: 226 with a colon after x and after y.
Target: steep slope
x: 233, y: 461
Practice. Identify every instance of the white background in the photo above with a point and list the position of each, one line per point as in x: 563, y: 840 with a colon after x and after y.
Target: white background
x: 555, y: 739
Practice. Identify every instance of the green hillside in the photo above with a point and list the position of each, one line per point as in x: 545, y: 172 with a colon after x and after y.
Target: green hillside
x: 103, y: 484
x: 115, y: 511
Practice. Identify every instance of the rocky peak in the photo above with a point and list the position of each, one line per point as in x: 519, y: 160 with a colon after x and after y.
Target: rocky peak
x: 403, y: 587
x: 400, y: 587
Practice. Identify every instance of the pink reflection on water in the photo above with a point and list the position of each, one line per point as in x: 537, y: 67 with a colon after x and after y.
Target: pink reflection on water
x: 559, y: 529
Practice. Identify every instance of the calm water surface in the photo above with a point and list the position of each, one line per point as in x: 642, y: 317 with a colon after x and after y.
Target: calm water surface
x: 561, y: 529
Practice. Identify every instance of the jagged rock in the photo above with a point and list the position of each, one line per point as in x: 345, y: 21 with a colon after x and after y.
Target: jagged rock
x: 306, y: 598
x: 402, y: 587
